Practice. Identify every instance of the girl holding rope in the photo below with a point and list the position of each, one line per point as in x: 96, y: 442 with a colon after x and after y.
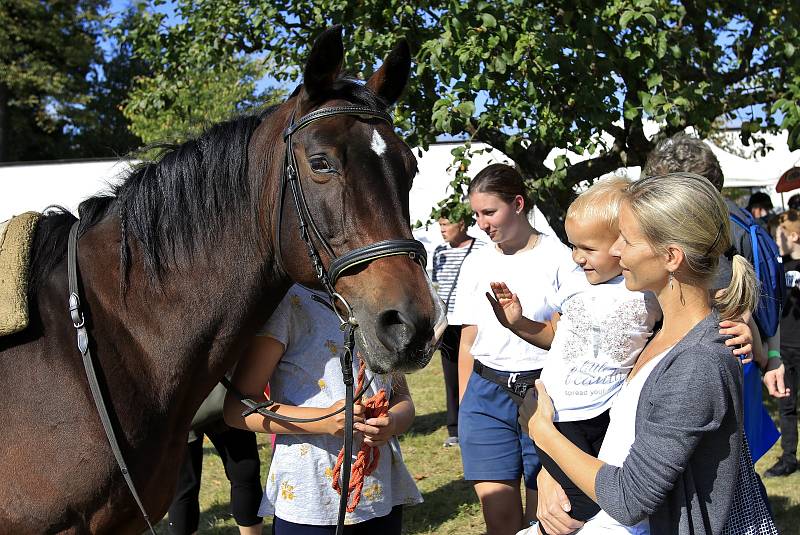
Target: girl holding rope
x: 297, y: 353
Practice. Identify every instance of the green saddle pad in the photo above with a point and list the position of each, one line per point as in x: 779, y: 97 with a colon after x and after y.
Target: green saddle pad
x: 16, y: 236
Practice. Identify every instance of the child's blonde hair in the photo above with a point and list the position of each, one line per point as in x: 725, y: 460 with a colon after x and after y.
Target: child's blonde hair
x: 686, y: 210
x: 600, y: 202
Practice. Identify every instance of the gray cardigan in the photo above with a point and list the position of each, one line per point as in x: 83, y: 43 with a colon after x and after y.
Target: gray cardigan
x: 682, y: 467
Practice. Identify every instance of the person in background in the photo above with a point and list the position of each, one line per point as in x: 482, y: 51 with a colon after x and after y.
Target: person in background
x: 684, y: 153
x: 787, y: 235
x: 239, y: 454
x: 794, y: 202
x: 760, y: 206
x: 447, y: 261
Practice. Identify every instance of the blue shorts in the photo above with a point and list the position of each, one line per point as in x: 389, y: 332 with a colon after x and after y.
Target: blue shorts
x: 493, y: 445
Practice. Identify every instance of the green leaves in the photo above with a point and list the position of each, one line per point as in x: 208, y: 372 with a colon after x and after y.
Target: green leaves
x: 466, y: 108
x: 626, y: 18
x: 49, y: 82
x: 524, y: 79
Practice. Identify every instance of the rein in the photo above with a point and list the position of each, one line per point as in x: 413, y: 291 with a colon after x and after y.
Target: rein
x: 309, y: 232
x: 83, y: 346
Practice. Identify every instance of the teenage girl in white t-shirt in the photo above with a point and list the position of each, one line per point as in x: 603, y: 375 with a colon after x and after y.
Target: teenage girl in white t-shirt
x: 493, y: 362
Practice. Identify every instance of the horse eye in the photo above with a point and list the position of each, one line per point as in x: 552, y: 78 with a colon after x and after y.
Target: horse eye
x: 319, y: 164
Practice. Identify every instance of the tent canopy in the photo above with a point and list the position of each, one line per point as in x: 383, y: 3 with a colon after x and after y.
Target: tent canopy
x: 33, y: 187
x: 67, y: 183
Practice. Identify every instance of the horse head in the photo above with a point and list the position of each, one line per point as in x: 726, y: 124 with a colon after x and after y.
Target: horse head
x: 355, y: 174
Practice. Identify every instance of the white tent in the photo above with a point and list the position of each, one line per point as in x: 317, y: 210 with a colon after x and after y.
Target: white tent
x: 741, y: 165
x: 748, y: 170
x: 33, y: 187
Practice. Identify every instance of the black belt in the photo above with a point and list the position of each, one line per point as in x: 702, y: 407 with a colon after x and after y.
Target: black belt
x: 516, y: 384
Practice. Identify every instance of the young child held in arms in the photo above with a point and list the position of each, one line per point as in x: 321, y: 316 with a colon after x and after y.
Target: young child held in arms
x: 601, y: 329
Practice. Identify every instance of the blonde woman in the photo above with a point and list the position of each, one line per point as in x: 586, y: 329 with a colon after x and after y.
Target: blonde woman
x: 670, y: 461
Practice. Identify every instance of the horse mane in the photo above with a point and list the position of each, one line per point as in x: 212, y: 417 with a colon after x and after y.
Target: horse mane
x: 178, y: 202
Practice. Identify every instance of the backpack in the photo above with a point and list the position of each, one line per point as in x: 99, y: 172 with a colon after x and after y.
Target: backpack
x: 768, y: 266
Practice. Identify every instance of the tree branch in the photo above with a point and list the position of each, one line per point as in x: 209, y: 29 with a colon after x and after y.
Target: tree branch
x: 595, y: 167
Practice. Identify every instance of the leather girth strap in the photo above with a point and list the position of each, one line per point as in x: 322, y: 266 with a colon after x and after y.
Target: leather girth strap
x: 83, y: 346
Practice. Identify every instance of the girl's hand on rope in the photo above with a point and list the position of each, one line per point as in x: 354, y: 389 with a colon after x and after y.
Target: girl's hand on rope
x: 336, y: 423
x: 505, y: 304
x: 377, y: 431
x: 741, y: 338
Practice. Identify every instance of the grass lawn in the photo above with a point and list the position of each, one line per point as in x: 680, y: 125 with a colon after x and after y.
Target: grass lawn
x: 450, y: 505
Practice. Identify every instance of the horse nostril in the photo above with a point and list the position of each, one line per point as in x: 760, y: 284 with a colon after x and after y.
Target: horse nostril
x: 394, y: 331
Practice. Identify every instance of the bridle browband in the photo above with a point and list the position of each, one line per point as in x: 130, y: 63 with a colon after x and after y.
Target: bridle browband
x: 327, y: 277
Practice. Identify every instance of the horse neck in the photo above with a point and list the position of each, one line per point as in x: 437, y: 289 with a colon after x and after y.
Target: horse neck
x: 173, y: 339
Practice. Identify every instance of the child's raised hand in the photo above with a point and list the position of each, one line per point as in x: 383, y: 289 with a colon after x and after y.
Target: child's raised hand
x: 505, y: 304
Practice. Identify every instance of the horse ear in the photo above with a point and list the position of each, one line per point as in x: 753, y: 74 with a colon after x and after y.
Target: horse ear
x: 390, y: 80
x: 324, y: 62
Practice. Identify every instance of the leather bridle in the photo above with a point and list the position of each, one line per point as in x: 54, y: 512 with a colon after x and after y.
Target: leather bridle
x: 309, y: 232
x: 327, y: 278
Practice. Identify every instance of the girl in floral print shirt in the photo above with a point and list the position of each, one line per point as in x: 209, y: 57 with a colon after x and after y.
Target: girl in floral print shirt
x: 297, y: 352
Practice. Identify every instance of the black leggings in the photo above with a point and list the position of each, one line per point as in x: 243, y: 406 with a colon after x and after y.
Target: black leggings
x: 449, y: 351
x: 239, y: 454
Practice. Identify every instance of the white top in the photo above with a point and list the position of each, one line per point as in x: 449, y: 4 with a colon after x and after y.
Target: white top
x: 298, y: 486
x: 602, y: 330
x: 617, y: 444
x: 533, y: 275
x: 445, y: 275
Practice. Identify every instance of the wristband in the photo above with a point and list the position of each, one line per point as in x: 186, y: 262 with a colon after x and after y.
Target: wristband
x: 773, y: 354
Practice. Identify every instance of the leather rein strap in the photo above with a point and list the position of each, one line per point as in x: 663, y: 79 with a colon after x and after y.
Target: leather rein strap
x: 83, y: 346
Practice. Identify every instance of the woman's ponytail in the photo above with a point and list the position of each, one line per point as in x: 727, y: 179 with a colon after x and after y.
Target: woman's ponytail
x: 742, y: 294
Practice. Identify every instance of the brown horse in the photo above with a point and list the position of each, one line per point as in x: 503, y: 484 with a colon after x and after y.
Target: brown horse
x: 178, y: 270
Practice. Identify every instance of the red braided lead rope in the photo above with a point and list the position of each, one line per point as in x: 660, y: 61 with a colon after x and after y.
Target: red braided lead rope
x: 368, y: 456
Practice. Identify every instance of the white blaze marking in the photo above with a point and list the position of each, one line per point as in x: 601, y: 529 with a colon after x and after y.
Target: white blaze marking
x: 378, y: 144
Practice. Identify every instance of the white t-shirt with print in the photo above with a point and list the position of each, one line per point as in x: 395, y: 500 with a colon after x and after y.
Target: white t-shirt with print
x: 533, y: 275
x: 602, y: 330
x: 298, y: 486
